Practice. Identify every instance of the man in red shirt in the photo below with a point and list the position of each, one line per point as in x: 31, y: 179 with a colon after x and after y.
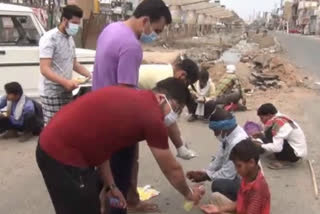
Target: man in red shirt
x: 253, y: 196
x: 85, y: 133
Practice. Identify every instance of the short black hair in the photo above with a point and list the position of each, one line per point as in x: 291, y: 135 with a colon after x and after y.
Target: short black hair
x: 191, y: 68
x: 267, y: 109
x: 154, y: 9
x: 245, y: 151
x: 70, y: 11
x: 13, y: 88
x: 204, y: 75
x: 174, y: 89
x: 219, y: 114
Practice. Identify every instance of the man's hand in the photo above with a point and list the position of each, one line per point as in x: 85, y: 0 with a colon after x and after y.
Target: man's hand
x: 70, y: 85
x: 210, y: 209
x: 2, y: 115
x: 258, y: 135
x: 197, y: 176
x: 196, y: 194
x: 115, y: 193
x: 201, y: 100
x: 105, y: 196
x: 103, y: 201
x: 244, y: 101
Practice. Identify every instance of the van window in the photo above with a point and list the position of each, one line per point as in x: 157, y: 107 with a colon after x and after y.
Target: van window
x: 18, y: 31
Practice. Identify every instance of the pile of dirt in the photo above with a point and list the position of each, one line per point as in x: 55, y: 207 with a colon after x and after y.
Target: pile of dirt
x: 204, y: 55
x: 271, y: 71
x: 264, y: 41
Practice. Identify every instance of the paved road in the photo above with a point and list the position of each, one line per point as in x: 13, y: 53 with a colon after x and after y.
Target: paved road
x: 303, y: 50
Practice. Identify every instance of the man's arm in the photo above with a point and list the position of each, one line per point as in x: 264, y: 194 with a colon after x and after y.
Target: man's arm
x: 108, y: 181
x: 278, y: 139
x: 46, y: 71
x: 175, y: 135
x: 105, y: 173
x: 174, y: 173
x: 80, y: 69
x: 227, y: 171
x: 216, y: 164
x: 128, y: 66
x: 3, y: 102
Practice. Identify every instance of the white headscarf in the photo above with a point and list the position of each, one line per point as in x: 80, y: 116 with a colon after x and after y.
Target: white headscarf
x: 231, y: 69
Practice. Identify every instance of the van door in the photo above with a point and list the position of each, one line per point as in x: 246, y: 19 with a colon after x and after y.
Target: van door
x: 19, y: 56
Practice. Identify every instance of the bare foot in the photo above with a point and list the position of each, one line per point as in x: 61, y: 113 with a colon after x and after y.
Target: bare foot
x: 143, y: 207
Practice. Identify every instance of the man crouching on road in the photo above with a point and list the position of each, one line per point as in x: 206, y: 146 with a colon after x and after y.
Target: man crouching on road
x: 221, y: 170
x: 74, y: 143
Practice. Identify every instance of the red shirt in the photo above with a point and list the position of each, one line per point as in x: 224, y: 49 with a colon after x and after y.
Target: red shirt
x: 89, y: 130
x: 254, y: 197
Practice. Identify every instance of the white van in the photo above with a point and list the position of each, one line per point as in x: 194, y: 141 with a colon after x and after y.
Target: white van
x: 20, y: 32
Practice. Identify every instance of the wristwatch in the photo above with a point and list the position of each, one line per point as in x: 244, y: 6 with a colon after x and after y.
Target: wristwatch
x: 111, y: 187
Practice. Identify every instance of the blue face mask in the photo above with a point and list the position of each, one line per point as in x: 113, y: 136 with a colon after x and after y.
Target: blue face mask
x: 72, y: 29
x: 148, y: 38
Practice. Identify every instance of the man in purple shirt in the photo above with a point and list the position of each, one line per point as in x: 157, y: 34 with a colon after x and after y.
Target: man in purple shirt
x: 118, y: 58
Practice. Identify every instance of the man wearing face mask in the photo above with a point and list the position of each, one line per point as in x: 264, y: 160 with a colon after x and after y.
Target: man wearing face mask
x: 58, y: 60
x: 118, y: 58
x: 68, y: 160
x: 221, y: 170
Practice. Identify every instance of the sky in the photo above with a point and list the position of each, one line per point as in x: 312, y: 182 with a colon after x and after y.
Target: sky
x: 246, y: 8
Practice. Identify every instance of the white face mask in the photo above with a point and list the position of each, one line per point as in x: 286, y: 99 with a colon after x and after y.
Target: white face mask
x: 72, y: 29
x: 170, y: 118
x: 221, y: 139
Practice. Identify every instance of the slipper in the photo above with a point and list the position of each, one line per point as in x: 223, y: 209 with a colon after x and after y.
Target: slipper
x: 143, y: 207
x: 276, y: 165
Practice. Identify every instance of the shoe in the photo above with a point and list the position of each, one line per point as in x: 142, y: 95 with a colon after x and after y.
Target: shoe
x: 10, y: 134
x: 25, y: 137
x: 278, y: 165
x: 185, y: 153
x: 192, y: 118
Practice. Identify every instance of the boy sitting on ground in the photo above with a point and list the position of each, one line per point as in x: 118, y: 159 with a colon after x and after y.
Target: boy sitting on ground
x: 23, y: 114
x: 204, y: 92
x: 253, y: 196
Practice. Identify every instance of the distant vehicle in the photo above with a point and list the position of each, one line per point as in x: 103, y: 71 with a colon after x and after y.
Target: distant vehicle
x: 20, y: 32
x: 296, y: 31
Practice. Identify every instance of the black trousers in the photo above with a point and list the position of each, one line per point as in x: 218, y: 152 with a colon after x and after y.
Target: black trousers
x: 227, y: 187
x: 287, y: 153
x: 121, y: 166
x: 72, y: 190
x: 31, y: 123
x: 229, y: 98
x: 208, y: 107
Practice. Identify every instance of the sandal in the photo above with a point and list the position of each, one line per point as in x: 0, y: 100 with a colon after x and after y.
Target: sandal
x: 277, y: 165
x: 143, y: 207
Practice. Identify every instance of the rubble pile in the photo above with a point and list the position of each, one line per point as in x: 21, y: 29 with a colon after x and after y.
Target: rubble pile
x: 205, y: 55
x: 271, y: 72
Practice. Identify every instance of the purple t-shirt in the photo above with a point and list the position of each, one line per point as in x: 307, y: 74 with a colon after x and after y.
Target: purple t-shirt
x: 118, y: 57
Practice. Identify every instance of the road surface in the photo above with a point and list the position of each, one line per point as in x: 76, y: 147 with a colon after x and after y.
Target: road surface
x: 302, y: 50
